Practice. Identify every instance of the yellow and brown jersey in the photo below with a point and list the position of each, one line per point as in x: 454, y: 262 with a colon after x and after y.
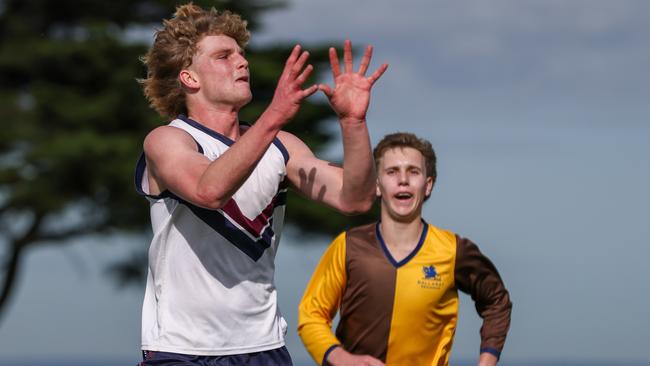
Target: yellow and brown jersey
x: 403, y: 313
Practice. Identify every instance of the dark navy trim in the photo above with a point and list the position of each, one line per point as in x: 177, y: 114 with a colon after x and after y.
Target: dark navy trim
x: 198, y: 146
x: 213, y: 133
x: 327, y: 353
x: 276, y: 141
x: 281, y: 199
x: 278, y: 356
x: 219, y: 223
x: 283, y: 150
x: 254, y: 248
x: 415, y: 251
x: 139, y: 173
x: 140, y: 167
x: 492, y: 351
x: 226, y: 140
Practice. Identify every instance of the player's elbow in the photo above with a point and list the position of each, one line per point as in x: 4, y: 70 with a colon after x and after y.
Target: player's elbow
x: 210, y: 197
x: 358, y: 206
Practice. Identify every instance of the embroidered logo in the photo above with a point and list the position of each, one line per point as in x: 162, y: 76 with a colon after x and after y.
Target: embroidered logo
x: 429, y: 272
x: 431, y: 280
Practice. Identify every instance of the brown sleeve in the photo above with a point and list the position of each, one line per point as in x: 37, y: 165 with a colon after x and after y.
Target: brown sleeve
x: 477, y: 276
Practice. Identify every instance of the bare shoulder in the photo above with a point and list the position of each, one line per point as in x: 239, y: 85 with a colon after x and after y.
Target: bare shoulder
x: 295, y: 146
x: 166, y: 138
x: 173, y: 162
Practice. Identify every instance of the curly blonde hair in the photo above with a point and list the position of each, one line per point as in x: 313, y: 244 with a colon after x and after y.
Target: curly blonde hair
x: 173, y: 48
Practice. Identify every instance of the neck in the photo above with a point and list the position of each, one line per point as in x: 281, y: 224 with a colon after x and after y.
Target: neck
x: 224, y: 120
x: 401, y: 234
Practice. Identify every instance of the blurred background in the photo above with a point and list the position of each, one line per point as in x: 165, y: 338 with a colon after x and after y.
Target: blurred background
x: 538, y: 111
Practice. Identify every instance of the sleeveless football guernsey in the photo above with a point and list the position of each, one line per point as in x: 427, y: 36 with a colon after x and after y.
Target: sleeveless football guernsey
x: 210, y: 288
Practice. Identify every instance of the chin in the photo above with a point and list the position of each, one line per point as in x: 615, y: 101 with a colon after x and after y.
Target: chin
x: 404, y: 217
x: 245, y: 99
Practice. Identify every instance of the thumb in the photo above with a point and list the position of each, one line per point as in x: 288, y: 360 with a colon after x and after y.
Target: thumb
x: 325, y: 89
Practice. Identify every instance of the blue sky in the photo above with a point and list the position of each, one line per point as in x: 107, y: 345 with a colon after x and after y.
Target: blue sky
x: 538, y: 111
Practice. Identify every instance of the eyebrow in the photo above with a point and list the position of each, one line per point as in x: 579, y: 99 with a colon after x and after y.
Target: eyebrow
x: 228, y: 50
x: 408, y: 167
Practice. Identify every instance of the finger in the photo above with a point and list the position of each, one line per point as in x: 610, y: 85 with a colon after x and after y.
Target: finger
x: 377, y: 74
x: 309, y: 91
x: 295, y: 70
x: 304, y: 75
x: 292, y: 58
x: 347, y: 55
x: 325, y: 89
x: 334, y: 62
x: 365, y: 61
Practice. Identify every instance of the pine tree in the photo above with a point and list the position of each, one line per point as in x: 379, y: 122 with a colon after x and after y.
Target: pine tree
x: 74, y: 118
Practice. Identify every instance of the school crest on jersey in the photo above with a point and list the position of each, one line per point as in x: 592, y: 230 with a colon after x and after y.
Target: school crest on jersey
x: 430, y: 278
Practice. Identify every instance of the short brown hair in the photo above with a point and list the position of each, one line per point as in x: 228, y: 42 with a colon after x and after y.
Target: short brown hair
x: 406, y: 139
x: 173, y: 48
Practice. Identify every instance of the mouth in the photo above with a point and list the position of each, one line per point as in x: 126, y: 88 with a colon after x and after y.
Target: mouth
x: 242, y: 79
x: 403, y: 196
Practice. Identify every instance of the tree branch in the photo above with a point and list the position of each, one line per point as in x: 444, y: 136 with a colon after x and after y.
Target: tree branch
x: 12, y: 266
x: 17, y: 246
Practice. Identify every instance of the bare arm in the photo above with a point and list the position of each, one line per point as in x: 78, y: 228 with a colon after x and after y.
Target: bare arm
x: 175, y: 164
x: 350, y: 189
x: 487, y: 359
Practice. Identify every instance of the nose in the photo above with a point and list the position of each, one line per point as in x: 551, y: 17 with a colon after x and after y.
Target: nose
x: 242, y: 62
x: 403, y: 178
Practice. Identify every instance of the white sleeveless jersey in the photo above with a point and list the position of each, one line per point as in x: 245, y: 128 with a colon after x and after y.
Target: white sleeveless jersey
x: 210, y: 288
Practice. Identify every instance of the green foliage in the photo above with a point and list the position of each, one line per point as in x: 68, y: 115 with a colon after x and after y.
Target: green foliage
x: 74, y: 118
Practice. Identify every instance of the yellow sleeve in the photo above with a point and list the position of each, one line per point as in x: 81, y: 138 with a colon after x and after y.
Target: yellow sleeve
x: 321, y: 301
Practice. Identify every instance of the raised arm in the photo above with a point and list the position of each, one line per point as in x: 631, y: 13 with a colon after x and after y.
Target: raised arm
x: 350, y: 189
x: 175, y: 164
x: 476, y: 275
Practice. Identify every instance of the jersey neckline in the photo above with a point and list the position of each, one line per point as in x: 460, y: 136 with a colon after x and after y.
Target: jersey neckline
x: 391, y: 259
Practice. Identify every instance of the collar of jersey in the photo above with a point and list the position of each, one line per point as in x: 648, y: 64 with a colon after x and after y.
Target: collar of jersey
x: 415, y: 251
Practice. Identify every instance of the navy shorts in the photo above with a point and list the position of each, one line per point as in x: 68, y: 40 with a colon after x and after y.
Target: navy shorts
x: 275, y: 357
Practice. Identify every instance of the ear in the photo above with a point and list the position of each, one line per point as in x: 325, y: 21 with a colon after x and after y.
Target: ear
x: 429, y: 187
x: 377, y: 190
x: 189, y: 79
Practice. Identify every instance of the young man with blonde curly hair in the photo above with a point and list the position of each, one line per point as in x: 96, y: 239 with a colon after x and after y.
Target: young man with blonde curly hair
x: 395, y: 282
x: 217, y: 188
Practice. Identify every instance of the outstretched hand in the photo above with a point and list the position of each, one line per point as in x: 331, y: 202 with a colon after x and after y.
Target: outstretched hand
x: 351, y: 94
x: 289, y: 93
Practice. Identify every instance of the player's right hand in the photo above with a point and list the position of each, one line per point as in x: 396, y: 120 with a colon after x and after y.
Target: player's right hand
x: 341, y: 357
x: 289, y: 92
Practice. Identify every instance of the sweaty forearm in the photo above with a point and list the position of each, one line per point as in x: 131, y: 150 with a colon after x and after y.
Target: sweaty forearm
x: 359, y: 174
x: 226, y: 174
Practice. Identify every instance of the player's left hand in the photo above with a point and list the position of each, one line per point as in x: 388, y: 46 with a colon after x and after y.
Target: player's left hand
x: 351, y: 95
